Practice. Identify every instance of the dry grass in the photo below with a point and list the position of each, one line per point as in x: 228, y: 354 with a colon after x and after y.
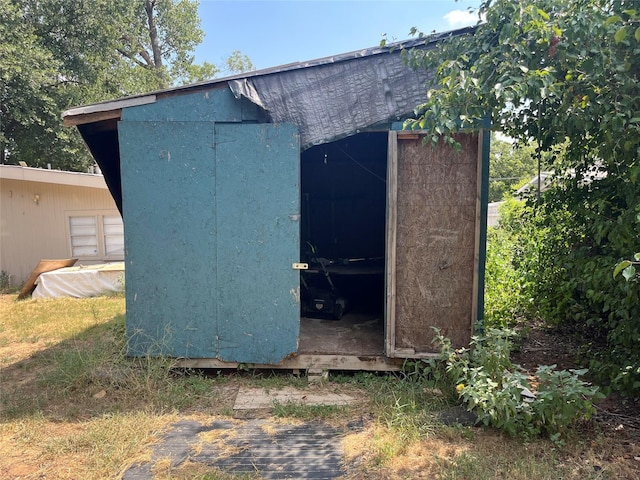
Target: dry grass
x: 38, y: 447
x: 73, y: 406
x: 50, y: 321
x: 378, y: 453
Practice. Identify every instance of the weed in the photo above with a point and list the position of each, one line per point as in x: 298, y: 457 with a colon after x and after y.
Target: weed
x: 501, y: 394
x: 5, y: 282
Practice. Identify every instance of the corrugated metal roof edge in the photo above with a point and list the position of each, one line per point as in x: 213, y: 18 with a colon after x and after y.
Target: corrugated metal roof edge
x: 150, y: 97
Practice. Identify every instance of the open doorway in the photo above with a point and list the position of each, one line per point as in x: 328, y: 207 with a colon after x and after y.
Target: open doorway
x: 343, y: 206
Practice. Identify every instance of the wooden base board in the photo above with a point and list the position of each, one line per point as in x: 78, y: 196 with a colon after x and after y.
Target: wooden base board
x: 304, y: 362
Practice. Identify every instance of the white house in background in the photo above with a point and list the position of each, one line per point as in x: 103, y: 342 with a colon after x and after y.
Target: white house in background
x: 529, y: 188
x: 493, y: 214
x: 51, y: 214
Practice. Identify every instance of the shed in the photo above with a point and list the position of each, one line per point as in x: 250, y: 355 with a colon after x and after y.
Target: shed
x: 252, y: 202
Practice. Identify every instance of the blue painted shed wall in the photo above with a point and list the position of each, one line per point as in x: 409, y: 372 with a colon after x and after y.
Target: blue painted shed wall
x: 211, y: 209
x: 217, y: 105
x: 168, y: 203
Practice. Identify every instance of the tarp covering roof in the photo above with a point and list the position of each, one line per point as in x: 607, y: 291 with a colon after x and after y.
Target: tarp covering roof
x: 335, y: 100
x: 304, y: 90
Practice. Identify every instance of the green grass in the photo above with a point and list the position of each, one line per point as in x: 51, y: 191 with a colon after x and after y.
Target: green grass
x: 72, y: 401
x: 53, y: 320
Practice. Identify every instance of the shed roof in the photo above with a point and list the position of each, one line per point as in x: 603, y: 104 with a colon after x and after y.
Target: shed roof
x: 327, y: 99
x: 85, y: 114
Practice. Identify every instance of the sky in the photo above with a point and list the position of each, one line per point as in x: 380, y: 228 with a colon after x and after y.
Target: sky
x: 276, y: 32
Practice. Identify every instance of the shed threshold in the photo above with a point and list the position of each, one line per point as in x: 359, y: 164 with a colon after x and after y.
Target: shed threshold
x: 355, y: 342
x: 304, y: 362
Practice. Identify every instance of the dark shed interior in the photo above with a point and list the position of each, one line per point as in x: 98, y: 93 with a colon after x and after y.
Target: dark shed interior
x: 343, y: 207
x: 343, y: 189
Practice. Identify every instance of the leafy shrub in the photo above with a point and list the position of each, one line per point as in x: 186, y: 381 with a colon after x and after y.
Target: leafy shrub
x: 628, y: 268
x: 503, y: 396
x: 502, y: 280
x: 562, y: 252
x: 534, y: 70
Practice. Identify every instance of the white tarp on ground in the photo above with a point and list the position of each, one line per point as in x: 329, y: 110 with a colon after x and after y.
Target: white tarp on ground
x: 81, y: 281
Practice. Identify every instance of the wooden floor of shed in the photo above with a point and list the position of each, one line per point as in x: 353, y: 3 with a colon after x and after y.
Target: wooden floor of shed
x: 358, y: 334
x: 355, y: 342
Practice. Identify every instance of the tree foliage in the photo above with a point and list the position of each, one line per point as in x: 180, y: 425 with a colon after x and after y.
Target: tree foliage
x: 161, y: 39
x: 238, y: 63
x: 31, y: 75
x: 56, y: 54
x: 561, y: 73
x: 510, y: 165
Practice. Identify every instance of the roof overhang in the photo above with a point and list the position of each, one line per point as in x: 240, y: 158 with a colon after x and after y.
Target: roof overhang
x: 55, y: 177
x: 103, y: 111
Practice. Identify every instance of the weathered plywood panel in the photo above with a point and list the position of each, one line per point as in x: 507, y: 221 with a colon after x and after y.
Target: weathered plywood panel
x: 354, y: 334
x: 217, y: 105
x: 257, y: 225
x: 168, y: 179
x: 435, y: 242
x: 211, y: 232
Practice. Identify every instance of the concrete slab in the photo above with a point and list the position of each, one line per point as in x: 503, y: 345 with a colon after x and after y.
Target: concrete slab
x: 260, y: 398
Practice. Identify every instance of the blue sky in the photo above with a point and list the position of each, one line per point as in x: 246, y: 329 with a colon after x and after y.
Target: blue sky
x: 277, y: 32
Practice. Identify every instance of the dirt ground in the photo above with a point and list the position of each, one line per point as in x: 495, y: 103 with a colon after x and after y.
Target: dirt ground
x: 617, y: 418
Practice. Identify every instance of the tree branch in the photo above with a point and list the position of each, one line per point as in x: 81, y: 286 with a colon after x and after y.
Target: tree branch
x: 149, y: 6
x: 142, y: 51
x: 132, y: 58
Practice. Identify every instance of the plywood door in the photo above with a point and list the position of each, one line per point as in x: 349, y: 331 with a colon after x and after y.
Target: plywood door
x: 211, y: 232
x: 258, y: 213
x: 432, y: 244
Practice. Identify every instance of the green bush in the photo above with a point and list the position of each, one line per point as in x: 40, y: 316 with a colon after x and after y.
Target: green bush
x: 502, y: 395
x: 553, y: 260
x: 502, y: 281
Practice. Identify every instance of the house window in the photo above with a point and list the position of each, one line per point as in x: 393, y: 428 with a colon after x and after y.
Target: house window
x: 84, y: 239
x: 113, y: 235
x: 96, y: 236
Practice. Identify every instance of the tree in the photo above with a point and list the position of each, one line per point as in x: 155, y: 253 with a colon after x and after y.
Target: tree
x: 68, y: 58
x: 162, y: 38
x: 22, y: 73
x: 509, y: 165
x: 555, y: 71
x: 85, y: 52
x: 238, y: 63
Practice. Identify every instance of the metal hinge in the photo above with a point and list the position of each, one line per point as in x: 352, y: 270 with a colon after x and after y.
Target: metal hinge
x: 301, y: 266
